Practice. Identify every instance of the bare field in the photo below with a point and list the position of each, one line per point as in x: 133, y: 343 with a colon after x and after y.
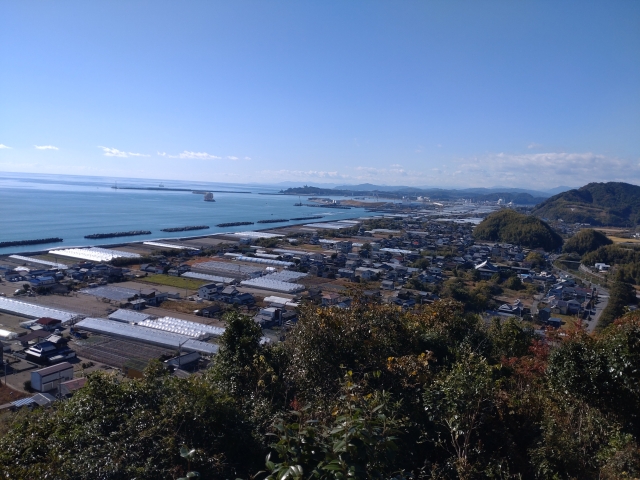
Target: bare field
x: 177, y: 282
x: 623, y: 240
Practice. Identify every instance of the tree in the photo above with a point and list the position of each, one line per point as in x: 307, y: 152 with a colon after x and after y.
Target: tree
x: 460, y: 402
x: 585, y: 241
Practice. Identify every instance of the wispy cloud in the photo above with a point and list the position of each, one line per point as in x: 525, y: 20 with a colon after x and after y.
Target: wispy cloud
x: 232, y: 158
x: 46, y: 147
x: 3, y: 146
x: 544, y: 169
x: 247, y: 158
x: 534, y: 145
x: 303, y: 174
x: 191, y: 155
x: 114, y: 152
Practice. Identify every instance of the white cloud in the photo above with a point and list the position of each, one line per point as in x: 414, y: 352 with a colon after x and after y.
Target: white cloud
x: 232, y: 158
x: 533, y: 145
x: 396, y: 165
x: 3, y: 146
x: 193, y: 155
x: 114, y: 152
x: 247, y: 158
x: 46, y: 147
x: 544, y: 169
x: 197, y: 155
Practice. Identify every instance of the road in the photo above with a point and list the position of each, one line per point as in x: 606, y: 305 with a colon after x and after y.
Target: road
x: 601, y: 301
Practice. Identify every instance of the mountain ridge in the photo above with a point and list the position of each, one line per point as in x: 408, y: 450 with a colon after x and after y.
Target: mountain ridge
x: 611, y: 203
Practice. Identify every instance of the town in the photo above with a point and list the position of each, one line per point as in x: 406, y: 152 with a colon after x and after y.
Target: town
x: 67, y: 312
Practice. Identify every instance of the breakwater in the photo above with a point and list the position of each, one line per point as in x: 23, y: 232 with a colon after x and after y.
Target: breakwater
x: 328, y: 205
x: 96, y: 236
x: 171, y: 189
x: 275, y: 220
x: 19, y: 243
x: 185, y: 229
x: 233, y: 224
x: 306, y: 218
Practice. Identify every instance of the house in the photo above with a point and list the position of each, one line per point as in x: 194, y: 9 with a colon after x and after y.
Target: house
x: 366, y: 274
x: 243, y: 299
x: 137, y: 304
x: 486, y: 269
x: 208, y: 291
x: 48, y: 323
x: 186, y: 361
x: 387, y: 285
x: 69, y: 387
x: 267, y: 317
x: 554, y: 322
x: 346, y: 273
x: 227, y: 293
x: 329, y: 299
x: 12, y: 276
x: 43, y: 399
x: 544, y: 314
x: 49, y: 378
x: 210, y: 311
x: 42, y: 281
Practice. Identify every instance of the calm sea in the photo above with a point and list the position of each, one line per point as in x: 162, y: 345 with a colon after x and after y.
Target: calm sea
x: 70, y: 207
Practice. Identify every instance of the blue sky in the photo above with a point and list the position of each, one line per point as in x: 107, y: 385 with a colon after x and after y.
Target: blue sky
x: 442, y: 93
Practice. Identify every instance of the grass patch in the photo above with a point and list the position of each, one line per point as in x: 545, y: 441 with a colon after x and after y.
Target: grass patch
x: 622, y: 239
x: 55, y: 258
x: 178, y: 282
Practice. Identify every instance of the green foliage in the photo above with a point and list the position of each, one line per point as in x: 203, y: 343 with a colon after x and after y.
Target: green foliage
x: 267, y: 242
x: 366, y: 392
x: 513, y: 283
x: 114, y: 429
x: 585, y: 241
x: 535, y: 259
x: 357, y: 440
x: 612, y: 203
x: 626, y: 260
x: 508, y: 226
x: 460, y: 402
x: 621, y: 295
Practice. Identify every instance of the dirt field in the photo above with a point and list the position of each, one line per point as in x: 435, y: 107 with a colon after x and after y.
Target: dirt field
x: 623, y: 240
x: 177, y: 282
x: 8, y: 394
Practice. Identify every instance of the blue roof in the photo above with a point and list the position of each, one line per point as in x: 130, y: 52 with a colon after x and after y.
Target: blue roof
x: 22, y: 402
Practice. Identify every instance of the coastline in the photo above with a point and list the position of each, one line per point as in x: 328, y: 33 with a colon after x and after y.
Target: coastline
x: 162, y: 239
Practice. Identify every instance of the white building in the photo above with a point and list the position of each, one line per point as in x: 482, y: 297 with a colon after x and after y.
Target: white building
x: 49, y: 378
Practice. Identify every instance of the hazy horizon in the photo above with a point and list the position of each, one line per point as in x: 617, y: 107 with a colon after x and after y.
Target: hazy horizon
x: 442, y: 94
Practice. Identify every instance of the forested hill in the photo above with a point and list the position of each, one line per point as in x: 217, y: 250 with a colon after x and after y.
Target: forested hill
x: 508, y: 226
x: 613, y: 203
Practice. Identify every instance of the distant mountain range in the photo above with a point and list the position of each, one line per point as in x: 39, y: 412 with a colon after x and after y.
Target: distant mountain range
x: 518, y: 196
x: 612, y: 203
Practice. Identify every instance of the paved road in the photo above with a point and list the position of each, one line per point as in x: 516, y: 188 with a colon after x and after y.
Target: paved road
x: 601, y: 301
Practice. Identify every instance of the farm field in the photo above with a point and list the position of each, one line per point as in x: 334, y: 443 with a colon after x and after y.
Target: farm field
x: 177, y: 282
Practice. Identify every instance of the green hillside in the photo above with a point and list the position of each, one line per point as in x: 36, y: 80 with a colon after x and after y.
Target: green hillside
x: 508, y: 226
x: 585, y: 241
x: 613, y: 203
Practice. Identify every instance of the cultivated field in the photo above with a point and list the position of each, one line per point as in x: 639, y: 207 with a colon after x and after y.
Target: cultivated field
x: 177, y: 282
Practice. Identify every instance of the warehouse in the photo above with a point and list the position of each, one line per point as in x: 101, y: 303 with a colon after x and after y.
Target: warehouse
x: 147, y: 335
x: 49, y: 378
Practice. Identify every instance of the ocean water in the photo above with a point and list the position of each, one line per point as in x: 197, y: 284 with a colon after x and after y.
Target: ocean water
x: 70, y: 207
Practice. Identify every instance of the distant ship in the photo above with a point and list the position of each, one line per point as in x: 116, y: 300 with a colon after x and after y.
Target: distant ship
x: 162, y: 185
x: 208, y: 197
